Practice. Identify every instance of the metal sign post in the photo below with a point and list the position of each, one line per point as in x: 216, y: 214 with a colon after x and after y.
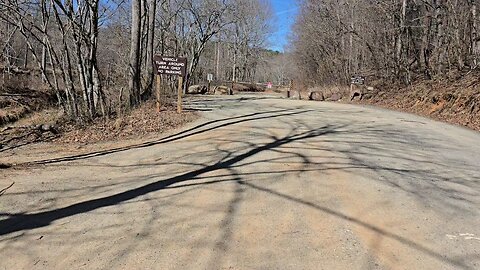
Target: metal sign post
x: 171, y: 66
x: 209, y: 79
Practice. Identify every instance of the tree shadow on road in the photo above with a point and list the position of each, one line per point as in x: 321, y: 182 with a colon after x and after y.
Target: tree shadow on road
x: 18, y: 222
x: 374, y: 138
x: 199, y: 129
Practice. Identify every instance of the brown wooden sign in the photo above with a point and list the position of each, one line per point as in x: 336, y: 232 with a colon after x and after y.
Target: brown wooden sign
x: 172, y: 66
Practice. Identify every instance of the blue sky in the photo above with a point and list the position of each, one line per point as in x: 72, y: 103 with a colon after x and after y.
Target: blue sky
x: 284, y: 17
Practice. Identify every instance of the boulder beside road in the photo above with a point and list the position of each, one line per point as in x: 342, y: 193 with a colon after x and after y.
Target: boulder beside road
x: 316, y: 95
x: 222, y: 90
x: 197, y: 89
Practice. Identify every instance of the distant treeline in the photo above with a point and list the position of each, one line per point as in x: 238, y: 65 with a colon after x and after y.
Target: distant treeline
x: 97, y: 56
x: 399, y: 40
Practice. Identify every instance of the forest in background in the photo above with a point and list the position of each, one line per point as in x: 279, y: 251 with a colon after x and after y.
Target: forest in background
x: 93, y: 58
x: 392, y: 40
x: 96, y: 56
x: 419, y: 56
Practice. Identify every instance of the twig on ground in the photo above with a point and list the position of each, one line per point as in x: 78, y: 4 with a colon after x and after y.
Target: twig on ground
x: 5, y: 189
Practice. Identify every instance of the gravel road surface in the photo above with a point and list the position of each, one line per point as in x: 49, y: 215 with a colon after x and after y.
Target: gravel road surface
x: 258, y: 183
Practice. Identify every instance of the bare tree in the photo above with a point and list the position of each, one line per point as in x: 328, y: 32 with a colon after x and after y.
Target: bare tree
x: 390, y: 39
x: 134, y: 82
x: 80, y: 49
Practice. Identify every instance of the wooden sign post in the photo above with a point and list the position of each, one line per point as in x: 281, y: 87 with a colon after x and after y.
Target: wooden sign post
x: 356, y: 80
x: 180, y: 92
x: 158, y: 91
x: 171, y: 66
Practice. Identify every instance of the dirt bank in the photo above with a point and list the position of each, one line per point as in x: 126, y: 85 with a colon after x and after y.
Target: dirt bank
x: 454, y: 100
x: 43, y: 134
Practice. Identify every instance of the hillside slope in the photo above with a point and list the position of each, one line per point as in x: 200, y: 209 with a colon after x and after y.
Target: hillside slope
x: 455, y: 100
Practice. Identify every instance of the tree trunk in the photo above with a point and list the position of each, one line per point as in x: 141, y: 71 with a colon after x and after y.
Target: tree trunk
x: 234, y: 67
x: 400, y: 37
x: 25, y: 56
x: 44, y: 59
x: 134, y: 80
x: 426, y: 40
x: 152, y: 6
x: 474, y: 37
x: 458, y: 42
x: 217, y: 64
x: 96, y: 87
x: 350, y: 50
x: 440, y: 43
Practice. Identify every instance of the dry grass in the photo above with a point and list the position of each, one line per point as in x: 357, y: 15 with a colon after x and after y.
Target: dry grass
x: 28, y: 116
x: 12, y: 114
x: 28, y: 130
x: 17, y: 100
x: 141, y: 121
x: 47, y: 116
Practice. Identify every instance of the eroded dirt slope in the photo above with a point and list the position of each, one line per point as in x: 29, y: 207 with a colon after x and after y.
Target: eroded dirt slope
x: 455, y: 100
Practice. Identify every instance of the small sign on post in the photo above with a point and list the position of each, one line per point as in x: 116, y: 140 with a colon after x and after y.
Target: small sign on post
x: 358, y: 80
x: 209, y: 79
x: 171, y: 66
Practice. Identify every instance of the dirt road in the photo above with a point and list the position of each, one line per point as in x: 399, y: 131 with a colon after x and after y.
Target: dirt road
x: 258, y: 183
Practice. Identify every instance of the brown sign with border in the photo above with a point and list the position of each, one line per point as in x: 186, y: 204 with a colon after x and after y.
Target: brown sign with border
x: 172, y: 66
x: 358, y: 80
